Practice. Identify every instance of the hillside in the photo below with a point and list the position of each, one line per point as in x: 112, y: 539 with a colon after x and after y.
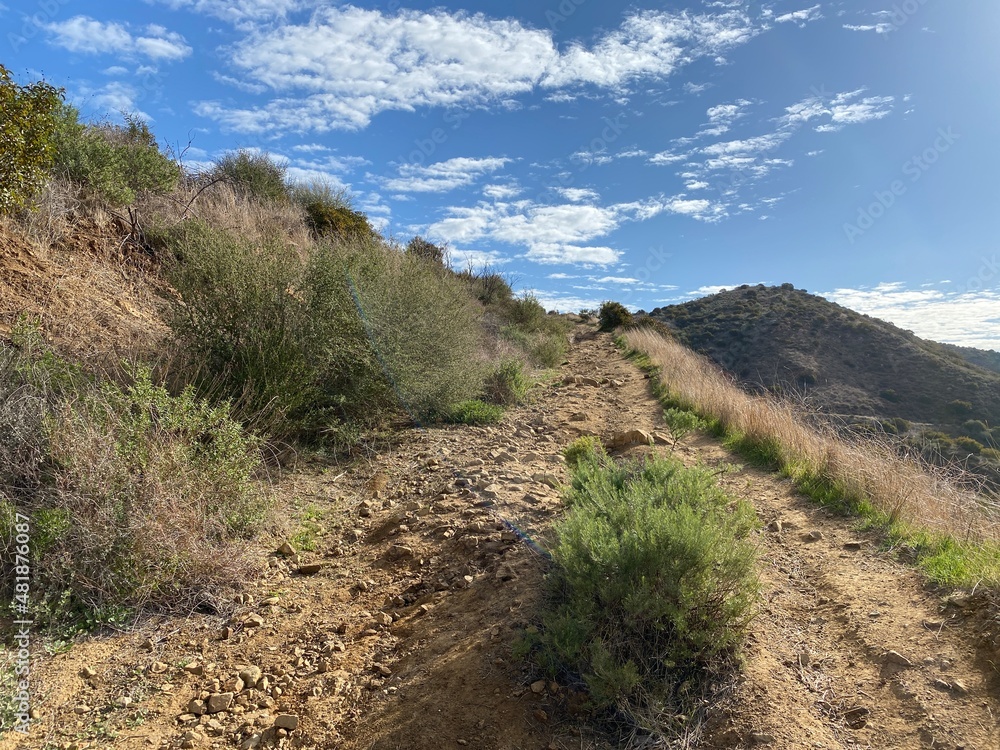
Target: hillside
x: 842, y: 362
x: 983, y: 357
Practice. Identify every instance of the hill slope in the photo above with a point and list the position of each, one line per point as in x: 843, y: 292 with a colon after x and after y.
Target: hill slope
x: 782, y: 338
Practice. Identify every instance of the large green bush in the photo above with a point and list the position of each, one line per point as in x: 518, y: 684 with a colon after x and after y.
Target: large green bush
x: 329, y: 213
x: 252, y: 174
x: 654, y: 579
x: 613, y: 315
x: 303, y: 340
x: 135, y: 498
x: 27, y: 129
x: 115, y: 163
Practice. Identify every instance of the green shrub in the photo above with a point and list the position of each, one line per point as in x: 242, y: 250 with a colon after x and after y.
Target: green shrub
x: 548, y: 349
x: 613, y: 315
x: 652, y: 324
x: 682, y: 422
x: 253, y: 174
x: 959, y: 408
x: 542, y: 337
x: 427, y: 250
x: 329, y: 214
x: 977, y: 430
x: 991, y: 454
x: 654, y: 579
x: 583, y: 449
x: 476, y: 412
x: 27, y: 139
x: 489, y: 287
x: 113, y: 162
x: 968, y: 445
x: 303, y: 340
x: 507, y: 384
x: 136, y: 498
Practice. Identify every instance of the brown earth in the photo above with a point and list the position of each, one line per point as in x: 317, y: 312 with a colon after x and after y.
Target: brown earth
x: 430, y: 564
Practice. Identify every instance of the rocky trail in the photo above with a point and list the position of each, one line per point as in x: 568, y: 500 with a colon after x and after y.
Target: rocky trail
x: 396, y: 631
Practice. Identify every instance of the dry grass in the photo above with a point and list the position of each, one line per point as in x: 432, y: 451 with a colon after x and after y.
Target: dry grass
x: 866, y: 472
x: 221, y: 207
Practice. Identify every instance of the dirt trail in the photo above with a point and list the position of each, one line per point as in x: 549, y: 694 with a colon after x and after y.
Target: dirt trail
x: 430, y: 563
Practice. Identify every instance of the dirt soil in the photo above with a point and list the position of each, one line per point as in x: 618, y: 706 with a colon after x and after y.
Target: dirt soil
x: 396, y: 631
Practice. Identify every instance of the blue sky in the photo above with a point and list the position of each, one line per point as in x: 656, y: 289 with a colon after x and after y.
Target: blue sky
x: 648, y: 153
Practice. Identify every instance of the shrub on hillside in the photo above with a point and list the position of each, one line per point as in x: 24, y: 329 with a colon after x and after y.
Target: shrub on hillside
x: 27, y: 131
x: 506, y: 384
x: 329, y: 214
x: 654, y: 579
x: 476, y: 412
x: 427, y: 250
x: 253, y: 174
x: 302, y: 340
x: 115, y: 163
x: 613, y: 315
x: 541, y: 336
x: 968, y: 445
x: 135, y: 498
x: 583, y: 449
x: 489, y: 287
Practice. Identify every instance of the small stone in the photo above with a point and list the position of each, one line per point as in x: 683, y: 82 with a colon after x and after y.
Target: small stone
x: 287, y: 550
x: 854, y: 546
x: 310, y: 569
x: 399, y: 551
x: 157, y: 667
x: 383, y: 619
x: 254, y: 621
x: 813, y: 536
x: 942, y: 685
x: 959, y: 687
x: 87, y: 672
x: 289, y: 722
x: 538, y: 687
x: 384, y: 671
x: 147, y: 645
x: 197, y: 707
x: 540, y: 715
x: 251, y: 676
x: 195, y: 668
x: 580, y: 416
x: 83, y: 708
x: 218, y: 702
x: 548, y: 480
x: 762, y: 738
x: 776, y: 526
x: 894, y: 657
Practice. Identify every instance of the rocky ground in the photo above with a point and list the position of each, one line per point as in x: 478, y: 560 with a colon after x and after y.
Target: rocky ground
x: 396, y: 630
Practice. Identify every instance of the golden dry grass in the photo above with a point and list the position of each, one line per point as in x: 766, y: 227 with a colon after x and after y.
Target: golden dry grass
x: 866, y: 471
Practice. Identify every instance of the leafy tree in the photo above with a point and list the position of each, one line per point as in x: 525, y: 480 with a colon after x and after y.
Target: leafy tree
x: 27, y: 127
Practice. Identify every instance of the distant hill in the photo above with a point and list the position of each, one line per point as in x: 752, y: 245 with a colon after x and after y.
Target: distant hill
x: 982, y: 357
x: 842, y: 362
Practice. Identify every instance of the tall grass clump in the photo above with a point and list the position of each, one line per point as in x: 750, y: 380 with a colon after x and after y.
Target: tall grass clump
x: 135, y: 498
x: 654, y: 585
x: 329, y: 213
x: 542, y: 337
x: 932, y: 507
x: 305, y: 339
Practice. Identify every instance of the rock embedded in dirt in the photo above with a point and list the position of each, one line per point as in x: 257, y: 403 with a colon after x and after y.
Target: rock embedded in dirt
x: 538, y: 687
x: 219, y: 702
x: 894, y: 657
x: 289, y: 722
x: 195, y: 668
x: 776, y: 526
x: 854, y: 546
x: 549, y: 480
x: 287, y: 550
x: 253, y: 621
x: 813, y: 536
x: 197, y: 707
x: 629, y: 438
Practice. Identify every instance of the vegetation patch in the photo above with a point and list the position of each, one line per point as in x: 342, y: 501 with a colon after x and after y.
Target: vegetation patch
x: 476, y: 412
x: 653, y: 587
x: 136, y: 498
x: 949, y: 529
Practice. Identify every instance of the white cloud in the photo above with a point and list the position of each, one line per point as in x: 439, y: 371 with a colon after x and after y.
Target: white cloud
x: 801, y: 17
x: 501, y: 192
x: 348, y: 64
x: 561, y: 276
x: 239, y: 12
x: 967, y: 318
x: 666, y: 157
x: 878, y: 28
x: 115, y: 97
x: 88, y: 36
x: 475, y: 259
x: 578, y: 195
x: 442, y: 176
x: 841, y: 110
